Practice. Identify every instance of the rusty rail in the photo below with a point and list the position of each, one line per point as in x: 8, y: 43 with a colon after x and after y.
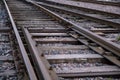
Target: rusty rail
x: 30, y: 70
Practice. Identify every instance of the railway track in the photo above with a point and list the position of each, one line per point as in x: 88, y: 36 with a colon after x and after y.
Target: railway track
x: 103, y: 2
x: 112, y: 20
x: 106, y: 30
x: 59, y: 48
x: 12, y: 59
x: 95, y: 8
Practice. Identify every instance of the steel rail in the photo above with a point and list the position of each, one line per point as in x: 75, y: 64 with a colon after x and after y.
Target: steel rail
x: 112, y: 3
x: 86, y: 9
x: 88, y: 74
x: 96, y: 19
x: 95, y: 38
x: 41, y: 63
x: 30, y: 70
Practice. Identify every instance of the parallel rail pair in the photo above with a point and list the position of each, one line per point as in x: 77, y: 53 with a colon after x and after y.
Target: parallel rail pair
x: 40, y: 68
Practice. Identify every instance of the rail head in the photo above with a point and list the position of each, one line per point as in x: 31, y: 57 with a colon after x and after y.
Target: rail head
x: 28, y: 65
